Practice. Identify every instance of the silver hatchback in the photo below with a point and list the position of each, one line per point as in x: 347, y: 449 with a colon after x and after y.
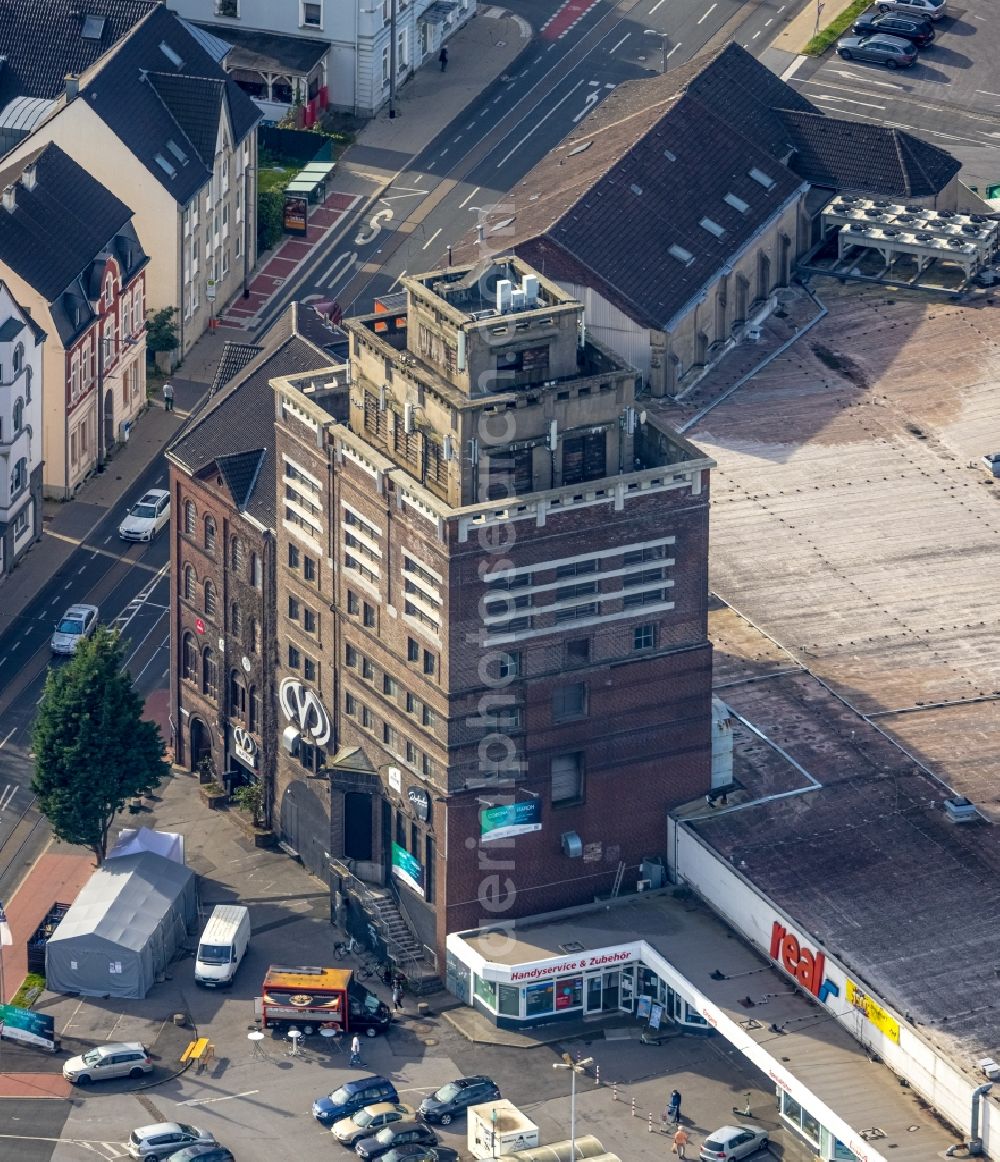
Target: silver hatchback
x: 116, y: 1059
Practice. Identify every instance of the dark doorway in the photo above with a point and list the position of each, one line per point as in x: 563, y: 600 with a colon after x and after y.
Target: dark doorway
x: 305, y: 824
x: 109, y: 420
x: 358, y: 838
x: 201, y: 743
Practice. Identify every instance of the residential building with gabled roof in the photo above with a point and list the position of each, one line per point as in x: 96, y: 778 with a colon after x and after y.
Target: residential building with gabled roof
x: 155, y: 119
x: 70, y: 255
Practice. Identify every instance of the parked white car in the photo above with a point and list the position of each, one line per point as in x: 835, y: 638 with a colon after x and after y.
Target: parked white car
x: 729, y: 1143
x: 929, y: 9
x: 115, y: 1059
x: 146, y: 518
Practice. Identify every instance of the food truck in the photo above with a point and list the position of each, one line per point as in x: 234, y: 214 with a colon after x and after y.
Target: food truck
x: 306, y: 995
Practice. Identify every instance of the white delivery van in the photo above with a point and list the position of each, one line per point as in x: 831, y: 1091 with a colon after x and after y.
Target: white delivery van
x: 222, y: 946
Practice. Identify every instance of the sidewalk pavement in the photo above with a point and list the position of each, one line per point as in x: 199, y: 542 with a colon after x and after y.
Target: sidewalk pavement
x: 786, y: 48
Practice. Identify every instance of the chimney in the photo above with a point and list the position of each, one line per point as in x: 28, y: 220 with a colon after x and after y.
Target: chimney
x: 72, y: 86
x: 9, y: 199
x: 29, y: 178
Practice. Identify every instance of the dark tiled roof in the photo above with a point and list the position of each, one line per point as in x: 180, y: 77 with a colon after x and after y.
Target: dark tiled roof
x: 858, y: 156
x: 318, y: 329
x: 10, y: 328
x: 148, y: 100
x: 60, y: 227
x: 235, y: 431
x: 235, y: 356
x: 270, y: 51
x: 42, y: 41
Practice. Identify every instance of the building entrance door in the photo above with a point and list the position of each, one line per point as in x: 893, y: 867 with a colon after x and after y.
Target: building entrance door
x: 592, y: 993
x: 627, y: 998
x: 611, y: 991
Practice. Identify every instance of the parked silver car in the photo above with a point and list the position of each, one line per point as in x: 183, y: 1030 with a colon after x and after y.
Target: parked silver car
x: 78, y: 622
x: 728, y: 1143
x: 891, y: 51
x: 929, y: 9
x: 115, y: 1059
x: 166, y: 1138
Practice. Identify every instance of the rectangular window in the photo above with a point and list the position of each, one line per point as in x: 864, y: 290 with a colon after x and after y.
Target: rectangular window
x: 389, y: 736
x: 351, y: 657
x: 310, y: 621
x: 390, y: 687
x: 639, y: 556
x: 411, y: 703
x: 509, y: 666
x: 578, y: 651
x: 367, y: 669
x: 412, y: 650
x: 294, y: 658
x: 569, y: 702
x: 309, y: 569
x: 293, y: 557
x: 311, y: 15
x: 350, y: 705
x: 385, y: 66
x: 644, y: 637
x: 428, y: 717
x: 426, y: 765
x: 353, y: 605
x: 367, y: 719
x: 648, y: 597
x: 411, y: 753
x: 309, y: 670
x: 293, y: 608
x: 567, y: 778
x: 430, y: 662
x: 369, y: 618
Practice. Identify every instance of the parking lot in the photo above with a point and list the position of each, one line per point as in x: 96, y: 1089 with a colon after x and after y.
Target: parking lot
x: 254, y: 1102
x: 950, y: 97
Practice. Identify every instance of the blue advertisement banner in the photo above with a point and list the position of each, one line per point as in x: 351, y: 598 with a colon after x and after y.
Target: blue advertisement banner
x: 24, y: 1025
x: 511, y: 819
x: 407, y: 868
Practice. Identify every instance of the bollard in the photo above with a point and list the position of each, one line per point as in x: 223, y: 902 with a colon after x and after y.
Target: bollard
x: 614, y: 1091
x: 633, y: 1107
x: 597, y: 1074
x: 650, y: 1123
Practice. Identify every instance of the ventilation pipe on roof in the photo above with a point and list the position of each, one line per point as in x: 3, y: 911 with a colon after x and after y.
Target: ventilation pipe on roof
x: 9, y: 199
x: 29, y: 178
x: 974, y: 1146
x: 72, y: 87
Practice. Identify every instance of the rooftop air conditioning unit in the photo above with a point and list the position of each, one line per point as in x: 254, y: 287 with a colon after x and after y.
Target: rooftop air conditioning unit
x: 960, y: 810
x: 754, y: 332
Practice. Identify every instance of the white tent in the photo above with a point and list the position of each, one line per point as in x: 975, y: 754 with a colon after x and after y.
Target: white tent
x: 132, y: 841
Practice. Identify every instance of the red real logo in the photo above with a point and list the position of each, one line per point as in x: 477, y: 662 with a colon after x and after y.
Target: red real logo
x: 806, y: 966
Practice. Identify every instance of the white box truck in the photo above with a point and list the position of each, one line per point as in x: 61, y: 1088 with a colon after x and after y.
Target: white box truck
x: 222, y: 946
x: 498, y: 1128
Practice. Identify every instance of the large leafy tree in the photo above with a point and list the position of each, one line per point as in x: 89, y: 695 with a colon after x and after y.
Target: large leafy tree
x: 93, y: 749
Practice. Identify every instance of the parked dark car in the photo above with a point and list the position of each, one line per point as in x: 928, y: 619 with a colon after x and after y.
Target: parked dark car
x: 416, y: 1153
x: 353, y: 1096
x: 202, y: 1154
x: 872, y: 22
x: 453, y: 1099
x: 890, y: 51
x: 398, y: 1134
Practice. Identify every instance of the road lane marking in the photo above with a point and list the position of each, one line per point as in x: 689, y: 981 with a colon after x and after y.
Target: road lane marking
x: 10, y: 735
x: 8, y: 793
x: 510, y: 153
x: 846, y: 100
x: 707, y: 13
x: 207, y: 1101
x: 617, y: 46
x: 431, y: 239
x: 655, y: 6
x: 673, y: 50
x: 468, y: 198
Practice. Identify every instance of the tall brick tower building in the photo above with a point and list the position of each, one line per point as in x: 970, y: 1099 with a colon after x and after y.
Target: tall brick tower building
x: 494, y: 669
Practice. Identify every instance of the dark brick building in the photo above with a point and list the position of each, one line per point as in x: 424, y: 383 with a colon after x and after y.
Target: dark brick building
x: 492, y: 592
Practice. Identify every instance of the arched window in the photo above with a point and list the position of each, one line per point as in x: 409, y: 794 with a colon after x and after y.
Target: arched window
x: 254, y: 720
x: 209, y: 534
x: 18, y: 415
x: 209, y: 673
x: 190, y: 517
x: 253, y: 637
x: 235, y: 554
x: 256, y: 572
x: 18, y: 357
x: 189, y: 583
x: 210, y: 602
x: 189, y: 658
x: 235, y: 619
x: 237, y: 696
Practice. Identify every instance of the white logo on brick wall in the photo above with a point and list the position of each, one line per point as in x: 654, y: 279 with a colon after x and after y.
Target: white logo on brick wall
x: 302, y: 706
x: 245, y: 746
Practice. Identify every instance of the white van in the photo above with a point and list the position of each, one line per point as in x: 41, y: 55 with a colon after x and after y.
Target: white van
x: 223, y: 946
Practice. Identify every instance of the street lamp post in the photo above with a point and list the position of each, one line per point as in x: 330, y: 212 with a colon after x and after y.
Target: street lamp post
x: 663, y: 45
x: 574, y: 1068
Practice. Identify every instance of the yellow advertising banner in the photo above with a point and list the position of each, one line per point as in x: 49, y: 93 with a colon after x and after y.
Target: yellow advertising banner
x: 873, y: 1011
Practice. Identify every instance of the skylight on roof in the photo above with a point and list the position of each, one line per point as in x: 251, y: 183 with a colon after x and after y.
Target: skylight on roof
x: 93, y: 26
x: 736, y: 203
x: 669, y: 156
x: 711, y: 227
x: 176, y: 150
x: 762, y: 178
x: 636, y: 189
x: 171, y: 56
x: 165, y: 165
x: 681, y: 254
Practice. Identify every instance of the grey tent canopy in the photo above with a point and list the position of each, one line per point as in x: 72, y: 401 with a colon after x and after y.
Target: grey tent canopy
x: 125, y: 927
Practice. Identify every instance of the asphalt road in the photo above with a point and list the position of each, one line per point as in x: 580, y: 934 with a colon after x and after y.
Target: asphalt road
x: 128, y: 583
x: 950, y: 97
x: 461, y: 178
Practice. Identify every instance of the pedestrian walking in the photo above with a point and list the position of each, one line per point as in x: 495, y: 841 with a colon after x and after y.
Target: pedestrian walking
x: 674, y: 1107
x: 397, y: 996
x: 443, y: 58
x: 680, y: 1142
x: 355, y: 1061
x: 168, y: 397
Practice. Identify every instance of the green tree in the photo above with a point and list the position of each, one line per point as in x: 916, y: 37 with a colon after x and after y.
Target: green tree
x: 93, y: 749
x: 270, y: 218
x: 161, y: 330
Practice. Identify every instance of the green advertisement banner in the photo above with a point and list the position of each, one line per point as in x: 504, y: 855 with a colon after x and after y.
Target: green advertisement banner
x: 511, y: 819
x: 24, y: 1025
x: 407, y: 868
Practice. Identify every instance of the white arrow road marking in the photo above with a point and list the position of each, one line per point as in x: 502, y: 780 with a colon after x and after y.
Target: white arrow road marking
x: 207, y: 1101
x: 588, y: 104
x: 431, y: 239
x: 350, y: 259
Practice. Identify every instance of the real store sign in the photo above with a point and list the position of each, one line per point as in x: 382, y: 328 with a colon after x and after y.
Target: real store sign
x: 801, y: 963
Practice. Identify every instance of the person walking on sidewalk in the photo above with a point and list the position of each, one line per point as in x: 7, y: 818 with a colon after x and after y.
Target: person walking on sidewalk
x: 443, y: 57
x: 168, y: 397
x: 674, y: 1107
x: 680, y: 1142
x: 397, y: 996
x: 355, y: 1061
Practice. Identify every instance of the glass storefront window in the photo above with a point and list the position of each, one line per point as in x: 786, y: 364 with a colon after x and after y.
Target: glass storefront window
x: 841, y: 1152
x: 791, y: 1109
x: 800, y: 1119
x: 486, y: 991
x: 538, y: 999
x: 810, y: 1127
x: 510, y: 1001
x: 569, y: 993
x: 458, y: 979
